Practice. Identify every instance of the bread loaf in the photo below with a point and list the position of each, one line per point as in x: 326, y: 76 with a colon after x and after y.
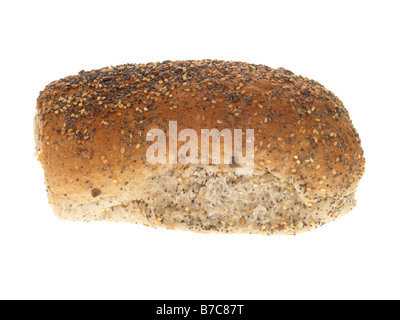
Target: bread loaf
x: 91, y: 131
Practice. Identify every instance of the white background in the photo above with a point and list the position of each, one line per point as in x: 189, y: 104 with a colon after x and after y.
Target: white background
x: 351, y: 47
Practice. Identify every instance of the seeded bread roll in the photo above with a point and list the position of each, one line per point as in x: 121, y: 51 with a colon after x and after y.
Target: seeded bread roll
x: 91, y: 131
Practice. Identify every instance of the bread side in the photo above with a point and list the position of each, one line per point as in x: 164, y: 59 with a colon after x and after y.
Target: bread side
x: 212, y: 199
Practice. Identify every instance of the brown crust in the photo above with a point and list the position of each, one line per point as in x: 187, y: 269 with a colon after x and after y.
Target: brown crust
x: 92, y: 126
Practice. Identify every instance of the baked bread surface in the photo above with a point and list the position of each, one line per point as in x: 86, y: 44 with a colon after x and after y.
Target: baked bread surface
x: 91, y: 131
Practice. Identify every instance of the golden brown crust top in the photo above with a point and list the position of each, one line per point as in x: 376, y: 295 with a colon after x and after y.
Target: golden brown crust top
x: 93, y: 125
